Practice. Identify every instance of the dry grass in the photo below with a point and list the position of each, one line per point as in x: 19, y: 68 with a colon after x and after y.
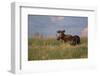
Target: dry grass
x: 50, y: 48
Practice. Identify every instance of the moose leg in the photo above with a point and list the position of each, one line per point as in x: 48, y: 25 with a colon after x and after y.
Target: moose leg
x: 73, y: 41
x: 78, y: 40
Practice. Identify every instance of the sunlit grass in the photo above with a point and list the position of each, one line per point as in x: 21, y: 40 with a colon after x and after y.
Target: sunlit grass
x: 50, y: 48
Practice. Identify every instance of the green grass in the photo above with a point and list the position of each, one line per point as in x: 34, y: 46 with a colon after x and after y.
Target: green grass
x: 50, y: 48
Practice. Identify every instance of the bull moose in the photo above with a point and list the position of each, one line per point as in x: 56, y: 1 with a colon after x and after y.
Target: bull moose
x: 73, y: 40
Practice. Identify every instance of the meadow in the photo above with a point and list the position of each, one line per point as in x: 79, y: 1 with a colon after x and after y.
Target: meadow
x: 51, y: 49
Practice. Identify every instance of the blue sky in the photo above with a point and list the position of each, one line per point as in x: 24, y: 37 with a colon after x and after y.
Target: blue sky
x: 48, y: 25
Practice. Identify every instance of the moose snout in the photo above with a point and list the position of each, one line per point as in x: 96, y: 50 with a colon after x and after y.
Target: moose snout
x: 58, y: 37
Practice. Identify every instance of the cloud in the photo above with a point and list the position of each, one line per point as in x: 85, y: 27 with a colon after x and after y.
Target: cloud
x: 57, y: 18
x: 84, y: 32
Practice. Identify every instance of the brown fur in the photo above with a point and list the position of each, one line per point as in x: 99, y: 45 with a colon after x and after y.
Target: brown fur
x: 68, y: 38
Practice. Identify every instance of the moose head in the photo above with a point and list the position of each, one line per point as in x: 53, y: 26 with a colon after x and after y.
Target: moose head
x: 60, y: 34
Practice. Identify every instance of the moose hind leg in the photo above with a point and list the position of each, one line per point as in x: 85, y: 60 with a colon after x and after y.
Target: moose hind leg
x: 74, y: 41
x: 78, y: 40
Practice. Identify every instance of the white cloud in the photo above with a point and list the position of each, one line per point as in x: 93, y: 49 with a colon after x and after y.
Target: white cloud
x: 84, y: 32
x: 56, y: 18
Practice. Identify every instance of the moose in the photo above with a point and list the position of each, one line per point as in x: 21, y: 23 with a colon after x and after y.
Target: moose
x: 73, y: 40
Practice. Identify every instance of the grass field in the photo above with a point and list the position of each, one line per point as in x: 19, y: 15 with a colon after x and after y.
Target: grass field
x: 50, y: 49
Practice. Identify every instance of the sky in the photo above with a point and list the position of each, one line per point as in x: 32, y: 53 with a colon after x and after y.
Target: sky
x: 48, y: 25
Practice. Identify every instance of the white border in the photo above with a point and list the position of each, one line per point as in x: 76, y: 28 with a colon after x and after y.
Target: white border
x: 19, y: 39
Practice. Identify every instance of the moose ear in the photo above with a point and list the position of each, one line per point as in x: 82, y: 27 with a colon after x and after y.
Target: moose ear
x: 63, y: 31
x: 58, y: 31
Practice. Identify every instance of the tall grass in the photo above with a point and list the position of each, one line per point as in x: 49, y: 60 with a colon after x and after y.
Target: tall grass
x: 50, y: 48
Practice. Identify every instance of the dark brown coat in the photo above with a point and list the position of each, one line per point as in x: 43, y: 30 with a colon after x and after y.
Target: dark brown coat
x: 73, y: 40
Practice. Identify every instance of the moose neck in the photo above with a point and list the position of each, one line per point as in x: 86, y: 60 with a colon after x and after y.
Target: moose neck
x: 62, y: 36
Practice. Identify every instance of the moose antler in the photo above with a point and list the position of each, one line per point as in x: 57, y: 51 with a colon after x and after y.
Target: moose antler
x: 58, y: 31
x: 63, y: 30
